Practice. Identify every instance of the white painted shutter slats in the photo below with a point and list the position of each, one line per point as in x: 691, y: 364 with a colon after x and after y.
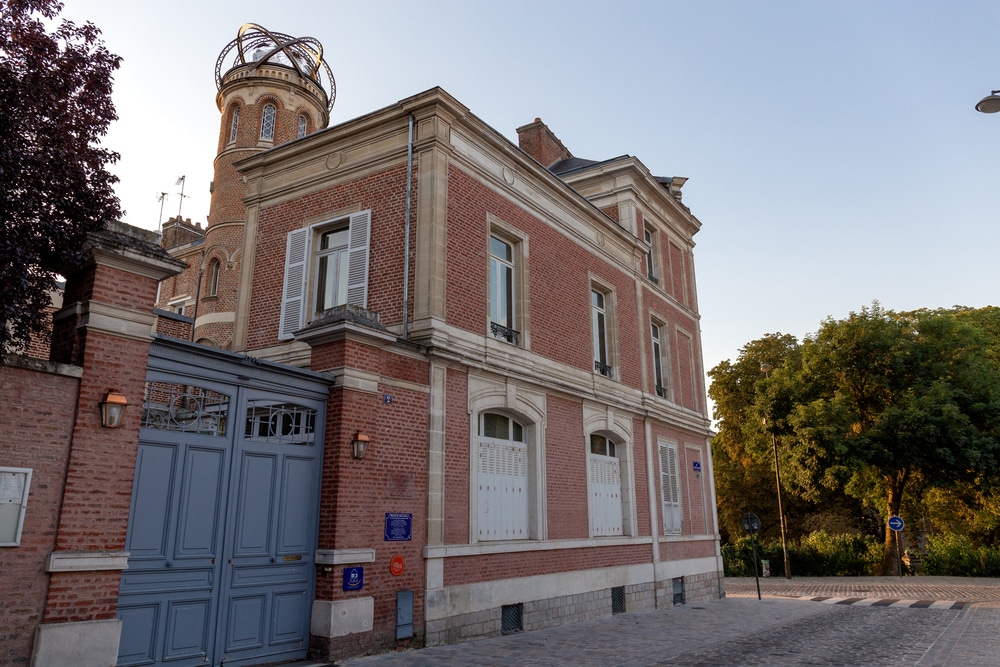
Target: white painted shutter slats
x: 606, y: 489
x: 296, y: 271
x: 357, y: 262
x: 503, y: 490
x: 670, y: 489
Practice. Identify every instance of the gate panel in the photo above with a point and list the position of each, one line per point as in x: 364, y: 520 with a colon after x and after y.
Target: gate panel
x: 224, y: 517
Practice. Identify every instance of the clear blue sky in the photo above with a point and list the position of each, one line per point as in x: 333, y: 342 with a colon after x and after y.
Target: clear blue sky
x: 833, y: 151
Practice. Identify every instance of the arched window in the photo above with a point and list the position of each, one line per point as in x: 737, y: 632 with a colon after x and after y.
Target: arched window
x: 213, y: 277
x: 267, y: 123
x: 503, y: 503
x: 302, y: 127
x: 605, y: 487
x: 235, y: 125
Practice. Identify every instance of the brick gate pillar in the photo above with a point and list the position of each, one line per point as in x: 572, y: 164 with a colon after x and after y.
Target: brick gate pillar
x: 105, y: 327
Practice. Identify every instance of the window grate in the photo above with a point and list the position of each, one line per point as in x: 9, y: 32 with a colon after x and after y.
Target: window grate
x: 618, y: 600
x: 506, y: 333
x: 678, y: 590
x: 603, y: 369
x: 510, y: 619
x: 661, y: 391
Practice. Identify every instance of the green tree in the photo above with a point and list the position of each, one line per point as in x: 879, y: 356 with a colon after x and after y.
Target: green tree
x: 882, y: 399
x: 55, y: 93
x: 747, y: 407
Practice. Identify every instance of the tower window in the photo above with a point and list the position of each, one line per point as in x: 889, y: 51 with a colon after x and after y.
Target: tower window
x: 302, y: 127
x: 236, y: 124
x: 213, y: 278
x: 267, y: 123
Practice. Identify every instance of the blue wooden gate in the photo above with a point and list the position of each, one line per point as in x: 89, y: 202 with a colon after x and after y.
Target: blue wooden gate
x: 223, y: 524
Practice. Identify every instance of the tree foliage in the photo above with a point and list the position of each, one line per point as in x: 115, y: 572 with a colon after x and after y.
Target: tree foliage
x: 869, y: 407
x: 55, y: 92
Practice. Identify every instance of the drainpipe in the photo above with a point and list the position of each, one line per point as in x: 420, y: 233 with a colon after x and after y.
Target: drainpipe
x: 197, y: 292
x: 406, y: 249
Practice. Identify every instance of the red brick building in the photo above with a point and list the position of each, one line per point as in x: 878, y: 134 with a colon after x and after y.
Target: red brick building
x: 456, y: 388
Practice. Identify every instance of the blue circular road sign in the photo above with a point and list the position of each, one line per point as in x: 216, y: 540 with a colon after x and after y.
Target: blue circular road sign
x: 896, y: 523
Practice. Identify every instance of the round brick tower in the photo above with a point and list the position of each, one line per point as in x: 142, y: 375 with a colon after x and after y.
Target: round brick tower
x: 272, y: 88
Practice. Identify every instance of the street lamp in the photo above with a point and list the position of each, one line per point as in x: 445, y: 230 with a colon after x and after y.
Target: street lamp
x: 765, y: 368
x: 990, y: 103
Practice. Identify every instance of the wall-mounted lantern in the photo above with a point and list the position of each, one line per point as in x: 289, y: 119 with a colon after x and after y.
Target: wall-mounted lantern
x: 359, y: 445
x: 113, y: 409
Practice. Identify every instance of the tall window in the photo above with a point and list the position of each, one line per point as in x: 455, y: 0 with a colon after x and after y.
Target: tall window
x: 267, y: 123
x: 213, y: 277
x: 599, y: 331
x: 670, y: 488
x: 502, y: 324
x: 502, y: 479
x: 235, y: 125
x: 605, y: 487
x: 650, y: 237
x: 658, y: 357
x: 302, y: 127
x: 326, y: 265
x: 331, y: 273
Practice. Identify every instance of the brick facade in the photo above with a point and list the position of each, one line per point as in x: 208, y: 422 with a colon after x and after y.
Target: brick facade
x: 415, y: 364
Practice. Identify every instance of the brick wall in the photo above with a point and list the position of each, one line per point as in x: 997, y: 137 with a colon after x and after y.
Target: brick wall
x: 34, y: 434
x: 385, y: 194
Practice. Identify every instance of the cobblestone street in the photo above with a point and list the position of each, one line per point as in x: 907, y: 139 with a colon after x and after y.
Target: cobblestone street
x: 806, y: 621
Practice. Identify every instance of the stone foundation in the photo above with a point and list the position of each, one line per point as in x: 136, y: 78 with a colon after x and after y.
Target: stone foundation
x: 538, y: 614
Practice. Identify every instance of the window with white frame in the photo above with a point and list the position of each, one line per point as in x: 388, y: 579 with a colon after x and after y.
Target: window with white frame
x: 659, y: 359
x: 605, y: 487
x: 502, y: 476
x: 503, y: 324
x: 331, y: 268
x: 235, y: 126
x: 649, y: 235
x: 670, y: 488
x: 326, y: 265
x: 267, y: 123
x: 599, y: 304
x: 302, y: 127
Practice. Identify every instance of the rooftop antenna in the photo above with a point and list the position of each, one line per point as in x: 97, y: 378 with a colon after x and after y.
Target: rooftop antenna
x: 180, y: 182
x: 160, y: 197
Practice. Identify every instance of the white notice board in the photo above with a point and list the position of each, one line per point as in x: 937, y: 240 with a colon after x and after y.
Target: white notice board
x: 14, y: 485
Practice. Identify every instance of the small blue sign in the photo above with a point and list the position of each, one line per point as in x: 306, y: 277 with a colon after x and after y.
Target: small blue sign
x: 387, y: 399
x: 398, y: 527
x: 896, y: 523
x: 354, y: 578
x: 697, y: 466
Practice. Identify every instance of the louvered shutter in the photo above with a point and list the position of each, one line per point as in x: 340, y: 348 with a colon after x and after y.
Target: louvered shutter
x: 357, y: 254
x: 503, y: 490
x: 670, y: 492
x: 294, y: 294
x: 606, y: 495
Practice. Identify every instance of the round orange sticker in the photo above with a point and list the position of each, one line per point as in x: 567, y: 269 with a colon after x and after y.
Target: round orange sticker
x: 396, y: 566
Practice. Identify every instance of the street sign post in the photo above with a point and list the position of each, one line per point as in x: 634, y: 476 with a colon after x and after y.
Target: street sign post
x: 896, y: 524
x: 751, y: 524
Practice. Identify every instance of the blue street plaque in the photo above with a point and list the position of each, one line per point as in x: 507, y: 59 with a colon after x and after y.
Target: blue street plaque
x: 398, y: 527
x: 896, y: 523
x: 697, y: 466
x: 354, y: 578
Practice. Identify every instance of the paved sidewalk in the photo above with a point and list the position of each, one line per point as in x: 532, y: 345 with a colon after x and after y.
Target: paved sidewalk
x: 969, y: 589
x: 783, y: 629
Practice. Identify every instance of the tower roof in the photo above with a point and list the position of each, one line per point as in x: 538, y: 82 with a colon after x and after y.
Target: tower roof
x: 255, y: 45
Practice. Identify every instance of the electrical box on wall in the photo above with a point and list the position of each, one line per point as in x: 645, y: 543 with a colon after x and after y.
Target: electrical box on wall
x: 14, y: 485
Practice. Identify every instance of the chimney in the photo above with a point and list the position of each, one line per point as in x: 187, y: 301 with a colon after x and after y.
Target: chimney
x: 537, y: 140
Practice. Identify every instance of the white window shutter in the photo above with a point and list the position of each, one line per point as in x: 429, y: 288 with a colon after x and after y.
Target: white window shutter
x: 357, y: 253
x: 295, y: 293
x: 670, y: 489
x: 606, y: 493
